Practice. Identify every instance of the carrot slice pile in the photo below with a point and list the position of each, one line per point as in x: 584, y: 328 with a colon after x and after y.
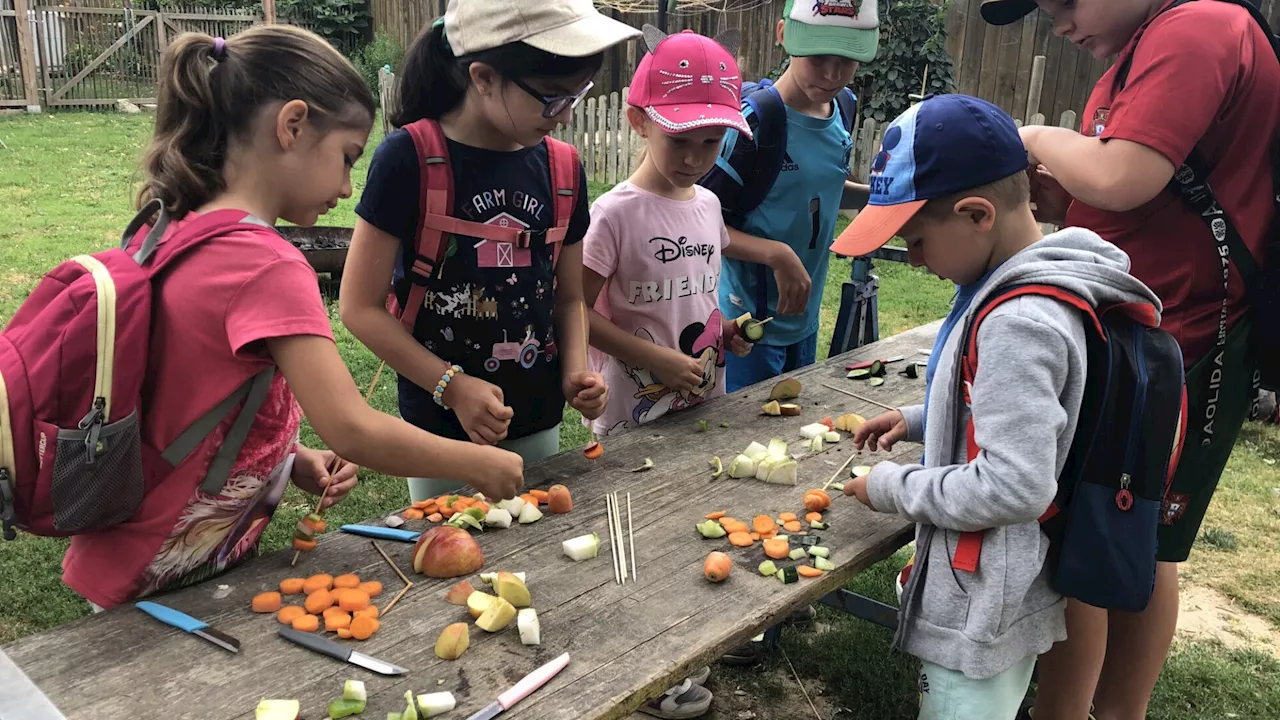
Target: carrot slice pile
x: 289, y: 613
x: 267, y: 602
x: 715, y: 515
x: 347, y: 581
x: 372, y: 588
x: 292, y: 586
x: 740, y: 539
x: 363, y: 627
x: 306, y: 623
x: 319, y: 601
x: 317, y: 582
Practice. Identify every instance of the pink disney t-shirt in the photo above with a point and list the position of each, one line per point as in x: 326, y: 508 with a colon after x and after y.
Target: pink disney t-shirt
x: 661, y: 261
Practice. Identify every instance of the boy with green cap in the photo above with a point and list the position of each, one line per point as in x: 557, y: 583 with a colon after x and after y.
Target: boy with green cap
x: 782, y: 190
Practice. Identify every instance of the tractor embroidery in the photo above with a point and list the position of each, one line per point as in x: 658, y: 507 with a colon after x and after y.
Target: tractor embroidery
x: 524, y: 352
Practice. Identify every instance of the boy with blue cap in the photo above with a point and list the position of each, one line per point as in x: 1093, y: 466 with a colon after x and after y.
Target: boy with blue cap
x: 950, y: 179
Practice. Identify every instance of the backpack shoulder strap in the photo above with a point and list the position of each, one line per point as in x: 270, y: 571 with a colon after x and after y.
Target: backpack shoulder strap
x: 563, y: 161
x: 847, y: 103
x: 435, y: 198
x: 770, y: 137
x: 969, y: 544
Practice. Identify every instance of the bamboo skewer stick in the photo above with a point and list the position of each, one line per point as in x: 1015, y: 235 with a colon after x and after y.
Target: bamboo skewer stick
x: 838, y: 472
x: 395, y: 567
x: 394, y: 600
x: 799, y: 682
x: 622, y: 548
x: 631, y: 537
x: 329, y: 470
x: 613, y: 543
x: 859, y: 397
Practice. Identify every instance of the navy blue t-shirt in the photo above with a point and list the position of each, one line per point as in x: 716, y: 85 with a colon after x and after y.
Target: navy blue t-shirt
x: 489, y: 306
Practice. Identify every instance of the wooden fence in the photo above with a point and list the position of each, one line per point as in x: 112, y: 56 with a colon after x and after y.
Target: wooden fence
x: 610, y: 149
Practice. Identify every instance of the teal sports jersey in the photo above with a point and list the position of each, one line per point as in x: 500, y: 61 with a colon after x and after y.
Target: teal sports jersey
x: 800, y: 210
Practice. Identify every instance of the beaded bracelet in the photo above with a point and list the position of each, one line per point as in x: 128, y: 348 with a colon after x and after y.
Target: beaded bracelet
x: 438, y: 393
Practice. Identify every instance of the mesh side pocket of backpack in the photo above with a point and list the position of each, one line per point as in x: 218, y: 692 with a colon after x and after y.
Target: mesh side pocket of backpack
x: 92, y: 496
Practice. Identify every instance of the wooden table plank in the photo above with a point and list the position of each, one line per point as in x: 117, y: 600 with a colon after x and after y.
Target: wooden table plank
x: 627, y: 643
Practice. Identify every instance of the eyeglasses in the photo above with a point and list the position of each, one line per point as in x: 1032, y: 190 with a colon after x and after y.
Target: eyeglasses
x: 554, y: 105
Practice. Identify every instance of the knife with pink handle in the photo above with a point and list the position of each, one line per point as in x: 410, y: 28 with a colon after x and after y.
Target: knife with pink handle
x: 522, y: 689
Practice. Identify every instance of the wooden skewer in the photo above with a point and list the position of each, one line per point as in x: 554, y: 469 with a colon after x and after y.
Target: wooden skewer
x: 631, y: 537
x: 613, y: 544
x: 859, y: 397
x: 801, y: 684
x: 841, y: 470
x: 329, y: 470
x: 395, y: 567
x: 765, y: 321
x: 617, y: 514
x: 395, y: 600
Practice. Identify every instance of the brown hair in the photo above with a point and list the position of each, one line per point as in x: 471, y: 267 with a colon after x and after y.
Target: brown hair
x: 211, y: 91
x: 1007, y: 192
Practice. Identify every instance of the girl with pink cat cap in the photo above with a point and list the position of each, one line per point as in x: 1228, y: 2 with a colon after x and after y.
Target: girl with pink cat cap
x: 651, y: 258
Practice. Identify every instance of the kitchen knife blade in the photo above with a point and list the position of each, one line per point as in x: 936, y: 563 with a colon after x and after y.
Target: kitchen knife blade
x: 382, y: 533
x: 328, y: 647
x: 523, y: 689
x: 185, y: 622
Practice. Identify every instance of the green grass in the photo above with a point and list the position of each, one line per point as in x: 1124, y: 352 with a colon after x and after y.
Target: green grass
x: 67, y: 181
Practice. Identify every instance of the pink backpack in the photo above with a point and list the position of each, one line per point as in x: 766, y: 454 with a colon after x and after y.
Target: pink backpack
x: 73, y: 361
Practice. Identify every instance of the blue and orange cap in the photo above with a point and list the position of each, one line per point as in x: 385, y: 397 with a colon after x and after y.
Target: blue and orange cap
x: 943, y: 145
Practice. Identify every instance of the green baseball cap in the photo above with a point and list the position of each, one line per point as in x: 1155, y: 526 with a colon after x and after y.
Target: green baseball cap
x: 848, y: 28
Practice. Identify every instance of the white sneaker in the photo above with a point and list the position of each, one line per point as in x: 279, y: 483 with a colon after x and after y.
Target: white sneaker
x: 685, y: 700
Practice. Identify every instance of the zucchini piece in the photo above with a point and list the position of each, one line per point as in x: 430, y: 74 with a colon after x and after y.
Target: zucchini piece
x: 343, y: 707
x: 817, y: 525
x: 911, y: 371
x: 808, y: 540
x: 823, y: 564
x: 767, y: 568
x: 819, y: 551
x: 711, y: 529
x: 859, y: 374
x: 877, y: 369
x: 875, y: 382
x: 789, y: 575
x: 798, y: 554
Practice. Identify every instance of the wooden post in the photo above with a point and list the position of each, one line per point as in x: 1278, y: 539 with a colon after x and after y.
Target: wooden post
x: 26, y: 55
x: 1037, y: 86
x: 269, y: 11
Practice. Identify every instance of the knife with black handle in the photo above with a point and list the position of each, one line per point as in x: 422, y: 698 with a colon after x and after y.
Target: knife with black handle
x: 324, y: 646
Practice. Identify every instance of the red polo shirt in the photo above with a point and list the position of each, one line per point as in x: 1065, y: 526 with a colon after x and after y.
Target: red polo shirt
x: 1203, y: 75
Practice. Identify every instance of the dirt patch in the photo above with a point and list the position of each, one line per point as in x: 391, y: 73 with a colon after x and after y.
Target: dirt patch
x: 1208, y: 614
x: 763, y: 693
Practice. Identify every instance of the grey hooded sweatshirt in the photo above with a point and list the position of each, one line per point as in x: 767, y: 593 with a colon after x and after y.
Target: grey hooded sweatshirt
x: 1025, y: 403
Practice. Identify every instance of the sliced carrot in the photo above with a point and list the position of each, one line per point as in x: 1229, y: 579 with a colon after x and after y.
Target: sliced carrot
x: 289, y: 613
x: 593, y: 451
x: 304, y: 545
x: 462, y: 503
x: 542, y: 495
x: 734, y: 526
x: 292, y: 586
x: 413, y: 514
x: 344, y: 633
x: 317, y: 582
x: 530, y: 498
x: 372, y: 588
x: 813, y: 517
x: 267, y: 602
x: 763, y: 524
x: 316, y: 524
x: 319, y: 601
x: 777, y: 549
x: 333, y: 621
x: 740, y: 539
x: 350, y: 580
x: 559, y: 499
x: 428, y: 507
x: 333, y: 610
x: 769, y: 535
x: 792, y: 527
x: 420, y: 505
x: 786, y: 517
x: 435, y: 517
x: 363, y: 627
x: 483, y: 506
x: 306, y: 623
x: 807, y: 571
x: 371, y: 611
x: 715, y: 515
x: 755, y: 536
x: 354, y: 600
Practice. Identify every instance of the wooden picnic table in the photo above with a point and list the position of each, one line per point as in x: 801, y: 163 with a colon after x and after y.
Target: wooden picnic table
x: 627, y: 643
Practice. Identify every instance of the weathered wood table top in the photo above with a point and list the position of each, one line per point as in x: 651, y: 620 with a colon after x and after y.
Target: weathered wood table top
x: 627, y: 643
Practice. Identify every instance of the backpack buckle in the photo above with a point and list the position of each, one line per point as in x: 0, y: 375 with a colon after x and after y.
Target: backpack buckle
x: 7, y: 514
x: 526, y: 238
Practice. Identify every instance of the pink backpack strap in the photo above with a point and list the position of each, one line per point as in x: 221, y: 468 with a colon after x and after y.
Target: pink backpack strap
x: 969, y: 545
x: 563, y: 160
x: 435, y: 200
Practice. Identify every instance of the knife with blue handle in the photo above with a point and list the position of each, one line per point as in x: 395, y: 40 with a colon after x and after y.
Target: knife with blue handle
x: 382, y: 533
x: 186, y: 623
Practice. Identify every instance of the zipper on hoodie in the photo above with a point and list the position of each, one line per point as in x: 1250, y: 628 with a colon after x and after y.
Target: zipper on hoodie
x: 1124, y: 497
x: 8, y: 469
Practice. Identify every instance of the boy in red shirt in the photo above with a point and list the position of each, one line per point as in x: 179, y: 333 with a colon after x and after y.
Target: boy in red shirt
x: 1188, y: 76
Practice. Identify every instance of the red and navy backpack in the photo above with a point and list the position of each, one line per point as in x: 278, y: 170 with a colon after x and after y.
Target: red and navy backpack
x: 1102, y: 523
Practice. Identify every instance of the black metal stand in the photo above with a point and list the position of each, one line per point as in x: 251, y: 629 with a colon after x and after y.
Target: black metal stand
x: 858, y: 321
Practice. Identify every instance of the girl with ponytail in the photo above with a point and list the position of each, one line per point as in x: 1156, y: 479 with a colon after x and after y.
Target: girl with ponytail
x: 472, y: 221
x: 260, y: 127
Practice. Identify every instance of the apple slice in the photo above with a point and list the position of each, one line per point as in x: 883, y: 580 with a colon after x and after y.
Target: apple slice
x: 478, y: 602
x: 771, y: 408
x: 512, y: 589
x: 489, y: 577
x: 785, y: 389
x: 498, y: 616
x: 453, y: 641
x: 277, y: 710
x: 459, y: 593
x: 789, y: 409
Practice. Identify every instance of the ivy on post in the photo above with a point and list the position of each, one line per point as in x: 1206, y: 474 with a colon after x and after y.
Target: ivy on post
x: 913, y: 46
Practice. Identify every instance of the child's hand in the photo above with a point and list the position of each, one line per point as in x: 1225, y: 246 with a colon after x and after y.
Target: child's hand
x: 587, y: 393
x: 883, y: 431
x: 857, y: 487
x: 311, y: 474
x: 739, y: 346
x: 676, y: 370
x: 792, y: 279
x: 479, y: 408
x: 499, y: 475
x: 1051, y: 199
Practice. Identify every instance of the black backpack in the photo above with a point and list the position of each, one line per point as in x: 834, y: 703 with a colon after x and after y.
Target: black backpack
x: 742, y: 189
x: 1261, y: 276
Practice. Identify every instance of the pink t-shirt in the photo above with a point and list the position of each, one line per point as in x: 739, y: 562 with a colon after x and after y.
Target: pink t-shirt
x: 661, y: 261
x: 209, y: 319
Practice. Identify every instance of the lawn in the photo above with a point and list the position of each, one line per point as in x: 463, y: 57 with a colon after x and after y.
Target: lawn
x: 66, y: 182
